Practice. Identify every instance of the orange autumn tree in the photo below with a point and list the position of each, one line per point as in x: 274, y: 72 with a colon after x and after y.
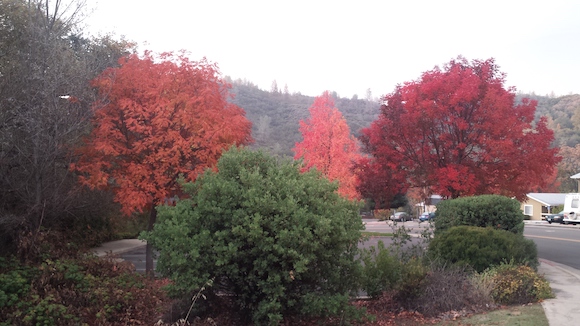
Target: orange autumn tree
x: 328, y: 145
x: 157, y: 119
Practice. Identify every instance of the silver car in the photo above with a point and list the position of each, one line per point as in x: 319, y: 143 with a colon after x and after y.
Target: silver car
x: 400, y: 217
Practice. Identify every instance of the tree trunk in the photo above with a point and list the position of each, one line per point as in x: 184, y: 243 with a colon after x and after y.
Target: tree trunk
x: 149, y: 249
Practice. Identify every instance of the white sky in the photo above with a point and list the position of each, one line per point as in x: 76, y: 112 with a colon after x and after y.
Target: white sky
x: 351, y: 46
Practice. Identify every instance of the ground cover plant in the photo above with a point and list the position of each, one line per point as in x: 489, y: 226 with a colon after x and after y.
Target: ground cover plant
x: 55, y: 283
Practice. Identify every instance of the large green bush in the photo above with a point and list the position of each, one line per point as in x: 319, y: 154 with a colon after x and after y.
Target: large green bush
x: 494, y: 211
x: 279, y: 241
x: 481, y: 248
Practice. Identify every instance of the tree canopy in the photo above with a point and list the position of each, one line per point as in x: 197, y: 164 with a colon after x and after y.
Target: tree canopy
x: 157, y: 120
x: 328, y: 145
x: 457, y: 131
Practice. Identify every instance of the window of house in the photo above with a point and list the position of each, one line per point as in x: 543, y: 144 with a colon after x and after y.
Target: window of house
x: 528, y: 210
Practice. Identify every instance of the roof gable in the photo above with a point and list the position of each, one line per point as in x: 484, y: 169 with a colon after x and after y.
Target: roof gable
x: 548, y: 199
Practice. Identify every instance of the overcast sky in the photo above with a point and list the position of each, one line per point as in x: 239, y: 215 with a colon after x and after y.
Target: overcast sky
x: 351, y: 46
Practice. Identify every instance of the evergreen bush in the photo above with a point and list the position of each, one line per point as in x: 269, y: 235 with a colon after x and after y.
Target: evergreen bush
x: 482, y: 248
x: 493, y: 211
x: 278, y: 241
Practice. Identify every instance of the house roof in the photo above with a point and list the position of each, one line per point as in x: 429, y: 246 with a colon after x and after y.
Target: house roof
x: 548, y: 199
x: 575, y: 176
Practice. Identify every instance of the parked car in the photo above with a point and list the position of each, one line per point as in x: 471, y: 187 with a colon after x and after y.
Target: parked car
x: 555, y: 218
x: 400, y: 217
x: 426, y: 217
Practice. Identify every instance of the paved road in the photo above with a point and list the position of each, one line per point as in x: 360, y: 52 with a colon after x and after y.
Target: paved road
x: 137, y: 257
x: 557, y: 243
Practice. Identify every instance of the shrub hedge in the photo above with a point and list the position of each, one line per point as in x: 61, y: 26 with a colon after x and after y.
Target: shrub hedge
x: 482, y: 248
x: 493, y: 211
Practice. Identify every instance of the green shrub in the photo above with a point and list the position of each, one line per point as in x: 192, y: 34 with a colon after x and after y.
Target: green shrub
x: 482, y: 248
x: 381, y: 270
x: 493, y: 211
x: 280, y: 241
x: 518, y: 284
x: 413, y: 277
x: 14, y: 282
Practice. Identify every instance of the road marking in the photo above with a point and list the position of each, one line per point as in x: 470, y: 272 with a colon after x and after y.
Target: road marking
x: 551, y: 238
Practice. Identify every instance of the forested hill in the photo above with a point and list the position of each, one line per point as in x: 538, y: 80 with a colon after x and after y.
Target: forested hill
x: 563, y: 116
x: 276, y: 114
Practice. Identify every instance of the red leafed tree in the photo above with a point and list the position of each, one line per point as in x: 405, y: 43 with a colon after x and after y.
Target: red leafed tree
x: 328, y: 145
x: 156, y: 119
x: 457, y: 132
x: 384, y: 185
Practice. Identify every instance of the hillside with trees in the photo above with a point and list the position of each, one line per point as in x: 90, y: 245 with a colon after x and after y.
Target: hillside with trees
x: 563, y: 114
x: 276, y: 114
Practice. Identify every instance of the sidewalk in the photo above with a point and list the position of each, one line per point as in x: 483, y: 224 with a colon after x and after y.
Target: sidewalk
x: 563, y: 310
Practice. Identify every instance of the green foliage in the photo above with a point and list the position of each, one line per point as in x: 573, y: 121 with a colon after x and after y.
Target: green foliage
x: 381, y: 270
x: 282, y: 242
x: 75, y: 290
x: 384, y: 269
x: 413, y: 277
x: 482, y: 248
x: 517, y: 284
x: 14, y: 283
x: 493, y: 211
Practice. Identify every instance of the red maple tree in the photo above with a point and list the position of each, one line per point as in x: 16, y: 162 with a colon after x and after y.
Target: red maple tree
x: 457, y: 132
x: 328, y: 145
x: 157, y: 119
